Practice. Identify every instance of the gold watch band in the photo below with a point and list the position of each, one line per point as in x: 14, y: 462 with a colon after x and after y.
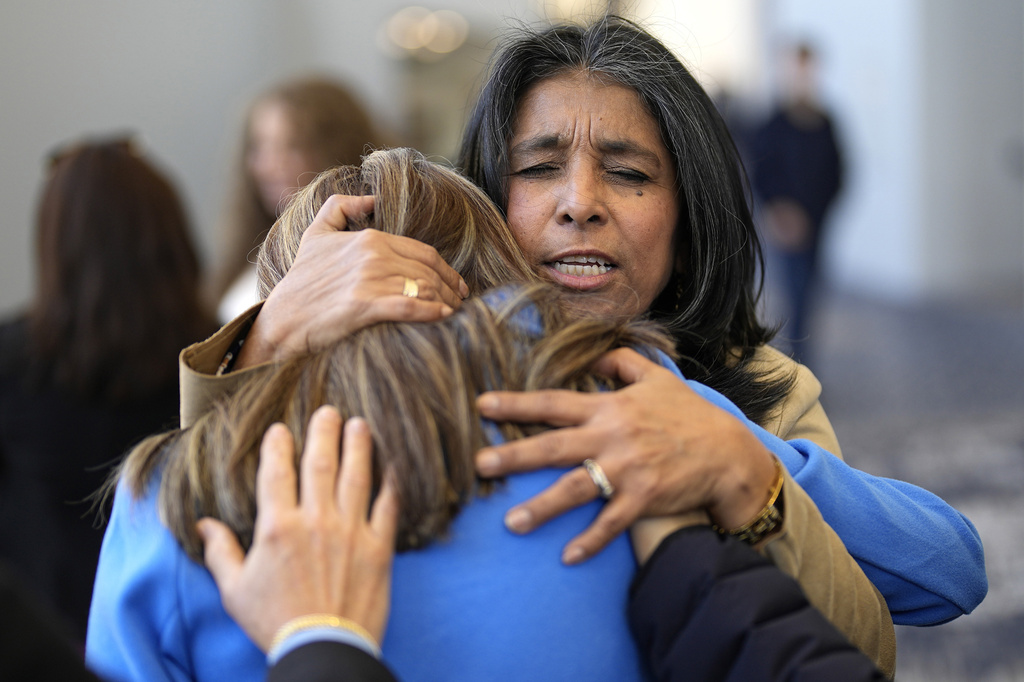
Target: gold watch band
x: 768, y: 519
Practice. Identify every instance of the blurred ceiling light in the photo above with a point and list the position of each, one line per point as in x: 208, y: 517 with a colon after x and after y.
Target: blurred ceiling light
x: 425, y: 34
x: 579, y: 11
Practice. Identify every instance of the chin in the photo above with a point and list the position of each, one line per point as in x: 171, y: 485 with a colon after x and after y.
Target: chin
x: 597, y: 304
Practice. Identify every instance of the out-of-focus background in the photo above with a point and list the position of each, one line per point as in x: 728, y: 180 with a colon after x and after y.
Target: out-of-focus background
x: 917, y: 327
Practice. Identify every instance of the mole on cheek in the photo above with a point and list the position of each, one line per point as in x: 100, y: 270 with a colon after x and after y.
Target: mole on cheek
x: 639, y: 193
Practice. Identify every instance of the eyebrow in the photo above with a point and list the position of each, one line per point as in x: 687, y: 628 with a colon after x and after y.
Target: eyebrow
x: 540, y: 142
x: 546, y: 141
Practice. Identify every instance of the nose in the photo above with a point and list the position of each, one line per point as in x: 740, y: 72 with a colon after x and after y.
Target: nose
x: 581, y: 201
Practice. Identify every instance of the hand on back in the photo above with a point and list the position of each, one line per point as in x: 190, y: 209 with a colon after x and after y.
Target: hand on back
x: 315, y: 549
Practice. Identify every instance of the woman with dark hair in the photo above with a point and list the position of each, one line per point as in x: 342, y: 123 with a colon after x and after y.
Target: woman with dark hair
x: 292, y: 132
x: 621, y: 184
x: 90, y: 369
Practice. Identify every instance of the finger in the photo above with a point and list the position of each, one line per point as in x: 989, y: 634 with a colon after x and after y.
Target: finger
x: 338, y: 211
x: 429, y: 285
x: 400, y: 308
x: 386, y: 510
x: 554, y: 407
x: 557, y: 448
x: 320, y: 459
x: 625, y: 364
x: 616, y: 516
x: 571, y: 490
x: 275, y: 475
x: 221, y: 552
x: 356, y: 479
x: 426, y: 254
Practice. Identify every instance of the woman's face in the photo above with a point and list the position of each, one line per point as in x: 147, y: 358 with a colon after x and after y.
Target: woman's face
x: 592, y: 197
x: 276, y: 158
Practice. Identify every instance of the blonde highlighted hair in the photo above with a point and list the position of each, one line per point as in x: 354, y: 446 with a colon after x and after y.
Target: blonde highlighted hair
x: 414, y: 198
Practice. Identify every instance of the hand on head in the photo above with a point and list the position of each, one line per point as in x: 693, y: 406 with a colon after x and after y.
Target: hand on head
x: 343, y: 281
x: 315, y: 553
x: 664, y: 449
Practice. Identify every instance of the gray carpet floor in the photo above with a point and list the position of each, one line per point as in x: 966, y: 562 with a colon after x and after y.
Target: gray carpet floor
x: 935, y: 396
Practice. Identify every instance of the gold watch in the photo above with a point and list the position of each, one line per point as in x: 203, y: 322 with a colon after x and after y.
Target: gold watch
x: 768, y: 519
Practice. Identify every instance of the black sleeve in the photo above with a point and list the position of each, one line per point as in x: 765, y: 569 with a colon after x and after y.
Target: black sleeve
x: 707, y: 607
x: 329, y: 662
x: 33, y: 646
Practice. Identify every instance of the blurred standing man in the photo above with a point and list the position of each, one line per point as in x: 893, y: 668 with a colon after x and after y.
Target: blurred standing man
x: 797, y: 172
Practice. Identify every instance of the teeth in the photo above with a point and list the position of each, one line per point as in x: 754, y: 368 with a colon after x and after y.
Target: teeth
x: 584, y: 259
x: 567, y: 268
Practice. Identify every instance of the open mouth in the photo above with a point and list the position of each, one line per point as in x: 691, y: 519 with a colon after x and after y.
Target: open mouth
x: 582, y: 266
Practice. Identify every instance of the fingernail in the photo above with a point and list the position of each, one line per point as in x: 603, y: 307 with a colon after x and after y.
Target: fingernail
x: 518, y: 520
x: 446, y: 310
x: 487, y: 462
x: 573, y: 555
x: 487, y: 402
x: 463, y: 288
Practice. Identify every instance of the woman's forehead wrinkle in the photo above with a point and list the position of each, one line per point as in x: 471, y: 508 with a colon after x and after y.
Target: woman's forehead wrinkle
x: 540, y: 142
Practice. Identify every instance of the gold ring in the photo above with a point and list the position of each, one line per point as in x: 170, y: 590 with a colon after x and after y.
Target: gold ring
x: 597, y: 475
x: 411, y: 289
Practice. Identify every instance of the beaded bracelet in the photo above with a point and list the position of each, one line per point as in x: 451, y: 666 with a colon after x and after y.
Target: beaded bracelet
x: 320, y: 620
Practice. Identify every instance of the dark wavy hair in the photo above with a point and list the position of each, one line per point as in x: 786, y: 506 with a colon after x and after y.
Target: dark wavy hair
x: 117, y: 293
x: 709, y: 304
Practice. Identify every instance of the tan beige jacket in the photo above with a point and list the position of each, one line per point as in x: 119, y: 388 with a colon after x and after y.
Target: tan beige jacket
x: 806, y: 548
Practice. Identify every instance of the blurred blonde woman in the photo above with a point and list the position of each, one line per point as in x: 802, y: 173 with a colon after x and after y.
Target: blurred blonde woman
x: 292, y: 132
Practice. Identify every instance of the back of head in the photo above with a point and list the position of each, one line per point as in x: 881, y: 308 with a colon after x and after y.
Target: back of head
x: 117, y: 294
x: 416, y: 198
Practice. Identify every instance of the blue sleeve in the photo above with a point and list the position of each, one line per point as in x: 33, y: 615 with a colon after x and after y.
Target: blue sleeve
x: 155, y: 614
x: 923, y: 555
x: 135, y: 613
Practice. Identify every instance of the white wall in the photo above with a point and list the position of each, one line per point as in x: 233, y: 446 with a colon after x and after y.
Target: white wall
x: 973, y: 232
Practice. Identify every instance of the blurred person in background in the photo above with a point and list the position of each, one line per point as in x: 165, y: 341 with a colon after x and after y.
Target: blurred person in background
x: 292, y: 132
x: 797, y: 170
x: 90, y: 367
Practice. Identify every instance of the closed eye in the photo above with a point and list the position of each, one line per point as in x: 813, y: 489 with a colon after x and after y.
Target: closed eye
x: 539, y: 170
x: 630, y: 175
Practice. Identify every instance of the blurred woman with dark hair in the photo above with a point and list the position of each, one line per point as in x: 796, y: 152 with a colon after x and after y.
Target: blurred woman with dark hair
x: 90, y: 367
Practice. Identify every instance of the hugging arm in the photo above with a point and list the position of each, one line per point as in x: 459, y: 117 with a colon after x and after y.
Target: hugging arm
x: 340, y: 282
x: 343, y: 281
x: 923, y: 555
